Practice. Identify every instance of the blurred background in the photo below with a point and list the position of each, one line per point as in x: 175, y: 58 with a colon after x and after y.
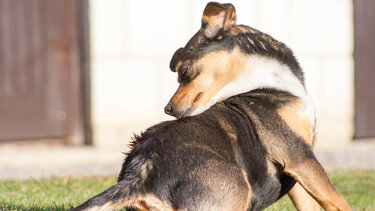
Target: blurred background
x: 93, y: 72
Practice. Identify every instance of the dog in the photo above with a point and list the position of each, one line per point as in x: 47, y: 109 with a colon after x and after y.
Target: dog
x: 226, y: 151
x: 224, y: 59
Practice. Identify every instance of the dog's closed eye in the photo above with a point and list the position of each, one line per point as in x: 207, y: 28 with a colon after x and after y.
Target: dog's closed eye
x: 183, y: 70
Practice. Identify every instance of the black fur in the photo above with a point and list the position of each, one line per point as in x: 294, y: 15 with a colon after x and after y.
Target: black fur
x: 199, y: 45
x: 282, y: 53
x: 173, y: 159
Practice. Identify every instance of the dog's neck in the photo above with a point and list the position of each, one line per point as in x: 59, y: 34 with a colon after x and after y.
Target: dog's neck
x: 261, y: 72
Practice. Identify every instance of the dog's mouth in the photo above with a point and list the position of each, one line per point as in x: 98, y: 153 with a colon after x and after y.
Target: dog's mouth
x: 191, y: 109
x: 197, y: 97
x: 185, y: 113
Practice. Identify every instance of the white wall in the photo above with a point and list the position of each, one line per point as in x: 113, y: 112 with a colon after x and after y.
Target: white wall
x: 133, y: 41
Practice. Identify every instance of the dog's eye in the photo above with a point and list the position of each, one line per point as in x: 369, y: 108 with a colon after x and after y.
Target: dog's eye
x: 184, y: 70
x: 185, y: 67
x: 219, y: 37
x: 184, y: 75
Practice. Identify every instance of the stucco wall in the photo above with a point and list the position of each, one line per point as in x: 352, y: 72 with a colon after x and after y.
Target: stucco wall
x: 133, y: 40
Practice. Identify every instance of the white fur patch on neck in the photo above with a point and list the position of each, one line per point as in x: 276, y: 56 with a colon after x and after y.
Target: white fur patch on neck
x: 262, y: 72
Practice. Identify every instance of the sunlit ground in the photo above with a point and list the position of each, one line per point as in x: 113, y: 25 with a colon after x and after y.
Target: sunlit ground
x: 358, y: 188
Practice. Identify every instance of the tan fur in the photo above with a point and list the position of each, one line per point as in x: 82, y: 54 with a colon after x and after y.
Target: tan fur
x: 178, y: 66
x: 218, y: 69
x: 132, y: 202
x: 245, y: 30
x: 154, y: 203
x: 216, y: 16
x: 302, y: 200
x: 300, y: 125
x: 185, y: 95
x: 235, y: 202
x: 229, y: 130
x: 314, y: 180
x: 247, y: 204
x: 235, y: 31
x: 149, y: 202
x: 241, y: 30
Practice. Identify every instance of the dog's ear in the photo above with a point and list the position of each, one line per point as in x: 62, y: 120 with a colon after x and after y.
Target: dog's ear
x: 175, y: 59
x: 218, y: 18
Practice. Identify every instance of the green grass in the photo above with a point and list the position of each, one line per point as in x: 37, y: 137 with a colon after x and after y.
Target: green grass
x: 358, y: 188
x: 50, y: 194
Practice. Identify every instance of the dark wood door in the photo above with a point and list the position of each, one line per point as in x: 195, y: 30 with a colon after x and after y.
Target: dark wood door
x: 39, y: 70
x: 364, y: 58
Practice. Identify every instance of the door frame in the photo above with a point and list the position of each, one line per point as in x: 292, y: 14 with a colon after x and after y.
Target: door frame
x: 364, y: 123
x: 83, y: 24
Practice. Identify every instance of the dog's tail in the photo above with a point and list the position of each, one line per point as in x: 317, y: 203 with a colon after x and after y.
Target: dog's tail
x: 125, y: 194
x: 130, y: 192
x: 116, y: 197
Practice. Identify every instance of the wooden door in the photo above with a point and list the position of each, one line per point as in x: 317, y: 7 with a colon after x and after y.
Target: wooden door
x: 364, y: 58
x: 40, y: 89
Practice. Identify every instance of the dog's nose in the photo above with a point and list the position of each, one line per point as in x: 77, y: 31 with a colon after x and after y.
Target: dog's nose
x: 168, y: 109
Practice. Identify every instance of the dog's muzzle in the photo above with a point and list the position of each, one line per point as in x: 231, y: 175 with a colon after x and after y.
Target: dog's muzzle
x: 171, y: 110
x: 168, y: 109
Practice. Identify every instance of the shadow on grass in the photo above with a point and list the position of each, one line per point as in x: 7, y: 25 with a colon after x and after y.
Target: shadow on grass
x: 39, y: 208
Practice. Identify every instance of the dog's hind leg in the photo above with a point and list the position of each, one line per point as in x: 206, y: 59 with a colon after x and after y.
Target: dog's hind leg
x: 311, y: 175
x: 302, y: 200
x: 216, y: 186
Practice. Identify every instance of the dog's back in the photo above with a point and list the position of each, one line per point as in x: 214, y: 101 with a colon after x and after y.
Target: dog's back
x: 212, y: 161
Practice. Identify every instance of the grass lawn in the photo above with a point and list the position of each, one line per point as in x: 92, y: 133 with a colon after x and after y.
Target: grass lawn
x: 358, y: 188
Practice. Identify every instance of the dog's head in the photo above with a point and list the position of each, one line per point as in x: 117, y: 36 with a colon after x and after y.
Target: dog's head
x: 206, y: 64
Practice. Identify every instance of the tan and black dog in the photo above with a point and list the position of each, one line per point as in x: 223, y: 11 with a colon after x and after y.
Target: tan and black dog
x: 226, y: 152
